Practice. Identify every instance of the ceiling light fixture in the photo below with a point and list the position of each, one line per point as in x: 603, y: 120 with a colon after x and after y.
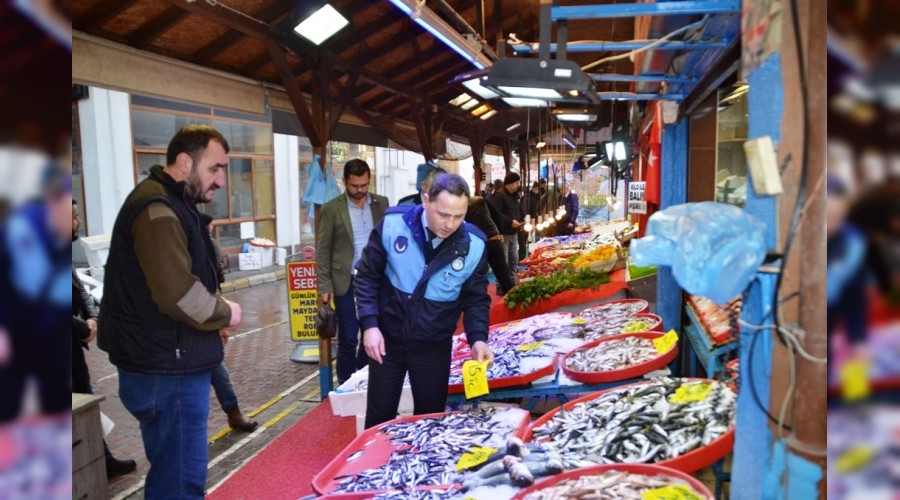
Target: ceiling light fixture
x: 553, y: 80
x: 524, y: 102
x: 427, y: 19
x: 321, y: 24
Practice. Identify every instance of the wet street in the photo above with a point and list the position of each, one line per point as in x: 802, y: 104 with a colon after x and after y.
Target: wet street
x: 273, y: 389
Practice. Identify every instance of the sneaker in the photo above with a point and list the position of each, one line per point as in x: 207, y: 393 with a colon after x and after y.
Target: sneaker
x: 116, y: 468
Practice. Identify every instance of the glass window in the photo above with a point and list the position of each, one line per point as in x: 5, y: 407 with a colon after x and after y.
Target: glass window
x: 246, y: 138
x: 340, y: 152
x: 218, y: 207
x: 230, y: 234
x: 241, y: 184
x: 731, y: 162
x: 264, y: 183
x: 152, y: 129
x: 305, y: 149
x: 147, y: 160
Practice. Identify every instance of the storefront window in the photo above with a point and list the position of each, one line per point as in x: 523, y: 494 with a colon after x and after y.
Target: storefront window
x: 731, y: 172
x: 147, y: 160
x: 246, y: 138
x: 264, y: 186
x: 78, y: 171
x: 240, y: 177
x: 155, y: 129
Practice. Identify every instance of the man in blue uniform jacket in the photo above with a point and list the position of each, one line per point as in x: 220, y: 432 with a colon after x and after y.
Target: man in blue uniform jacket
x: 422, y: 267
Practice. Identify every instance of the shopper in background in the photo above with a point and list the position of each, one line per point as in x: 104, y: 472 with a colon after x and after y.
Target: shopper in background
x: 507, y: 202
x: 570, y: 201
x: 497, y: 186
x: 35, y: 262
x: 422, y: 267
x: 84, y: 330
x: 343, y: 232
x: 162, y: 313
x: 220, y: 378
x: 416, y: 198
x: 848, y: 279
x: 488, y: 190
x: 486, y: 217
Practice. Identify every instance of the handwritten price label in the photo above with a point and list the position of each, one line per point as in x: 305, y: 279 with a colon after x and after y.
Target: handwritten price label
x: 666, y: 342
x: 530, y: 347
x: 579, y: 321
x: 689, y: 393
x: 855, y: 380
x: 855, y: 458
x: 474, y: 458
x: 475, y: 378
x: 672, y: 492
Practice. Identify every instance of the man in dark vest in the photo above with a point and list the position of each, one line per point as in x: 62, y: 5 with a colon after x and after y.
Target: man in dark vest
x: 162, y: 313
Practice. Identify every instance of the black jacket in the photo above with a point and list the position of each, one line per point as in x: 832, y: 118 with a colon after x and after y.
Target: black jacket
x: 508, y: 205
x: 137, y: 336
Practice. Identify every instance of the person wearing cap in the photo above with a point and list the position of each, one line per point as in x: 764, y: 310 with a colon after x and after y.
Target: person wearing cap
x: 220, y: 378
x: 507, y: 202
x: 570, y: 201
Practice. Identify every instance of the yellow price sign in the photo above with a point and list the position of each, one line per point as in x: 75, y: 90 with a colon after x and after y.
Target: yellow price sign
x: 530, y: 347
x: 688, y: 393
x: 579, y: 321
x: 474, y: 458
x: 475, y: 378
x: 855, y: 381
x: 666, y: 342
x: 855, y: 458
x: 671, y: 492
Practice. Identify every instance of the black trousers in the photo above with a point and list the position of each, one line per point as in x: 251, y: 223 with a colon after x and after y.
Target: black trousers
x: 496, y: 257
x: 428, y: 364
x: 49, y: 359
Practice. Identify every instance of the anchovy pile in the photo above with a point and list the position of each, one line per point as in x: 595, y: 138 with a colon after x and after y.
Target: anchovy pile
x: 612, y: 355
x: 518, y: 465
x: 435, y: 494
x: 611, y: 485
x: 506, y: 364
x: 564, y: 330
x: 610, y: 319
x: 611, y: 309
x: 638, y: 424
x: 519, y: 332
x: 427, y: 450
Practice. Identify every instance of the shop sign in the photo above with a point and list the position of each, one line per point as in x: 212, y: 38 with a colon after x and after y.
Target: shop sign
x: 637, y: 204
x: 302, y: 299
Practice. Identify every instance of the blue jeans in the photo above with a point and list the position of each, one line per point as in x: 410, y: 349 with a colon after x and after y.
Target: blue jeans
x: 221, y: 382
x: 172, y: 411
x: 351, y: 356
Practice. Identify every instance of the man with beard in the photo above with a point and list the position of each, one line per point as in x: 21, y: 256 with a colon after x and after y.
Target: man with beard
x: 162, y: 313
x: 343, y: 232
x: 84, y: 330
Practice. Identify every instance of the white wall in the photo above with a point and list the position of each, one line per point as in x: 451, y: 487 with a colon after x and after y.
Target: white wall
x: 106, y: 149
x: 396, y: 172
x: 287, y: 190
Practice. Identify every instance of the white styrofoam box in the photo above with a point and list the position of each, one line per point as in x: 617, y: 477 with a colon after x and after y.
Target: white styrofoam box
x: 360, y: 424
x: 267, y: 255
x: 250, y: 261
x: 96, y: 248
x: 347, y: 402
x: 280, y: 256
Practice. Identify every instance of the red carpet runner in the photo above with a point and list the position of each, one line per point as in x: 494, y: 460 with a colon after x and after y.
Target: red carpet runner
x: 284, y: 469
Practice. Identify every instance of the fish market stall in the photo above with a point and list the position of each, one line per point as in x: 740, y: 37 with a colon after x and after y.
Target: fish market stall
x: 619, y: 357
x: 617, y: 481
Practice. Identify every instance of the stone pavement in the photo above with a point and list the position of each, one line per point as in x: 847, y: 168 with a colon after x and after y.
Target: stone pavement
x: 268, y: 384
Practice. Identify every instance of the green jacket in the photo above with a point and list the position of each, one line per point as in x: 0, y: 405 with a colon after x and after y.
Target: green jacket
x: 334, y: 243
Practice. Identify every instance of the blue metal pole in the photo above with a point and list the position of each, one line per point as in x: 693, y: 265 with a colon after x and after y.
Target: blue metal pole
x: 640, y: 78
x: 673, y: 191
x: 575, y: 46
x: 685, y: 7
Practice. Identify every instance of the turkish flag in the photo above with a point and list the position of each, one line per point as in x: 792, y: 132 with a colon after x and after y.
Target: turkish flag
x: 651, y: 195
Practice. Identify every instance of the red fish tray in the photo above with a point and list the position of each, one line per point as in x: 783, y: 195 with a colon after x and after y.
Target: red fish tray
x: 622, y: 373
x: 652, y: 318
x: 645, y: 469
x: 644, y: 310
x: 689, y: 462
x: 516, y: 380
x: 461, y: 343
x: 375, y: 455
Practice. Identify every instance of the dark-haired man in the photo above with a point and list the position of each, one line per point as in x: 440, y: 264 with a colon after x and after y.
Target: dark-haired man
x: 162, y: 313
x: 422, y: 268
x: 343, y: 232
x: 507, y: 202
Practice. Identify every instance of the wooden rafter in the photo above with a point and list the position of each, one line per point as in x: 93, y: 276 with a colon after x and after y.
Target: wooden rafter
x: 268, y: 14
x: 101, y: 13
x: 276, y: 53
x: 151, y: 30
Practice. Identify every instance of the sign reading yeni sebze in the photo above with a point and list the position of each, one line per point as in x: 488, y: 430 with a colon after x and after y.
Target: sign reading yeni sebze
x: 302, y: 296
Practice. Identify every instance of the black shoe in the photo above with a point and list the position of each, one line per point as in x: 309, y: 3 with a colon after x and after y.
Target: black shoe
x: 116, y: 468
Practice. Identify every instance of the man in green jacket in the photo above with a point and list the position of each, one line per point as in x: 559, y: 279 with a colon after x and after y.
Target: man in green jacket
x: 343, y: 232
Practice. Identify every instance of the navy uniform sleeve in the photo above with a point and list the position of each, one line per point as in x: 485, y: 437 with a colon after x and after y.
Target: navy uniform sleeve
x: 475, y: 302
x: 366, y: 283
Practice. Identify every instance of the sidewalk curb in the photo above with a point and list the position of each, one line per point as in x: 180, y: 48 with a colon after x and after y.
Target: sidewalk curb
x: 259, y: 279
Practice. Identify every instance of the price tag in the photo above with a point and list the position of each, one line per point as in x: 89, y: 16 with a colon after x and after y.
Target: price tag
x: 474, y: 458
x: 666, y: 342
x: 475, y: 378
x: 689, y: 393
x: 855, y: 458
x: 855, y: 380
x: 579, y: 321
x: 671, y: 492
x: 635, y: 326
x: 530, y: 347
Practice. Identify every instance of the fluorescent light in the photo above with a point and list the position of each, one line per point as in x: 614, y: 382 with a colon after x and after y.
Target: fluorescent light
x: 576, y: 117
x: 428, y: 20
x: 570, y: 143
x: 590, y: 155
x: 522, y: 102
x: 610, y: 151
x: 480, y: 110
x: 402, y: 6
x: 449, y: 43
x: 620, y: 150
x: 489, y: 114
x: 513, y: 127
x: 470, y: 104
x: 540, y: 144
x: 460, y: 99
x: 323, y: 23
x: 475, y: 86
x: 533, y: 92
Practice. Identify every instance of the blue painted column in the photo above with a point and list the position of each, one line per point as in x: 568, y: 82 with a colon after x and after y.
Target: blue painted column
x: 673, y: 191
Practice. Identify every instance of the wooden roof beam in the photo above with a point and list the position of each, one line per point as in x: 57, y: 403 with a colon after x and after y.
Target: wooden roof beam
x: 144, y: 36
x: 101, y: 13
x: 270, y: 13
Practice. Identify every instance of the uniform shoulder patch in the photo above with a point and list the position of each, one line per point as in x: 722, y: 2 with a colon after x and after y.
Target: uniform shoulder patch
x: 473, y: 230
